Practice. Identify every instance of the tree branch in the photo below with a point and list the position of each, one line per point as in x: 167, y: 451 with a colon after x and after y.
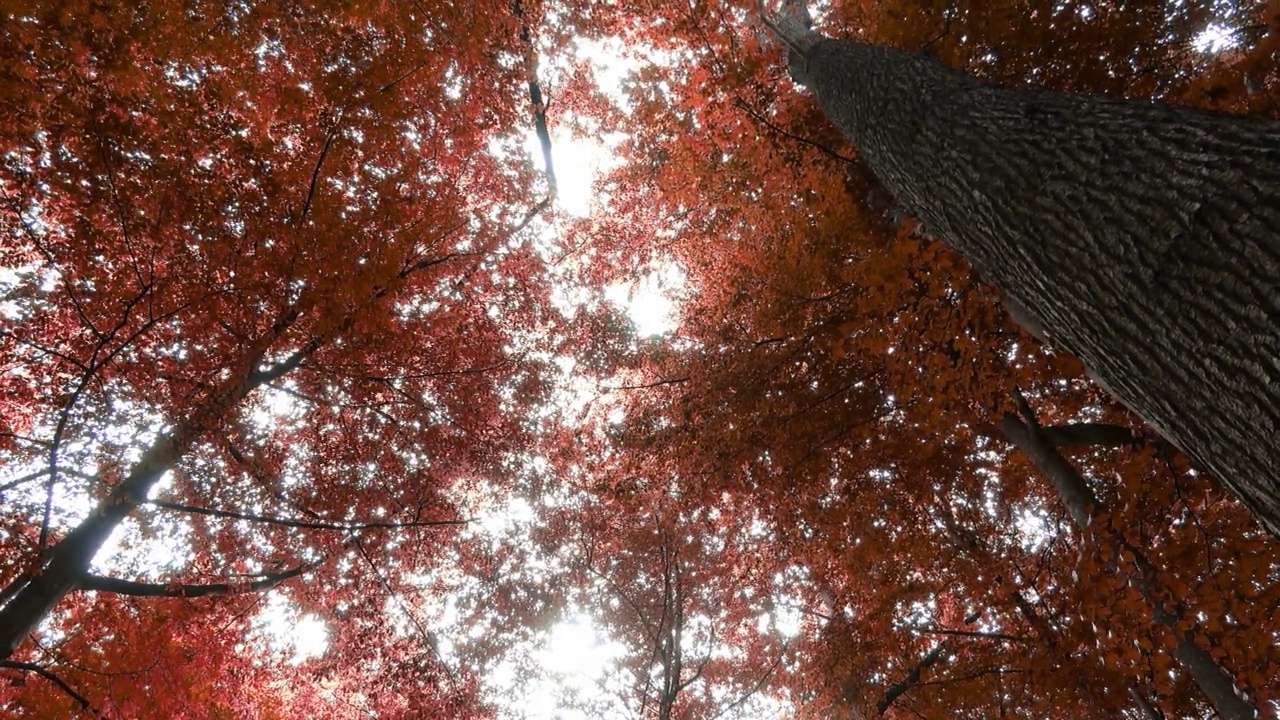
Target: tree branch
x: 898, y: 689
x: 974, y: 634
x: 51, y: 677
x: 786, y: 133
x: 647, y: 386
x: 428, y: 637
x: 755, y: 688
x: 315, y: 174
x: 536, y: 98
x: 306, y: 525
x: 117, y: 586
x: 24, y: 479
x: 1088, y: 434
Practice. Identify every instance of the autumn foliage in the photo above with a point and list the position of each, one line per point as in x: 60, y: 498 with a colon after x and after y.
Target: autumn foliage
x: 284, y: 273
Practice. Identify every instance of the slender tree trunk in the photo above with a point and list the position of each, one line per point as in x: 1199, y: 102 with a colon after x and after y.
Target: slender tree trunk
x: 1144, y: 237
x: 69, y: 560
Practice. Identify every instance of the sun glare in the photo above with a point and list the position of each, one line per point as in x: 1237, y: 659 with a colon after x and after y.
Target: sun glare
x: 651, y: 302
x: 289, y: 633
x: 575, y: 648
x: 1215, y: 39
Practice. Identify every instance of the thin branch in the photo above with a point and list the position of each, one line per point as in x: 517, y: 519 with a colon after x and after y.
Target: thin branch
x: 786, y: 133
x: 118, y: 586
x: 974, y: 634
x: 51, y: 677
x: 116, y: 201
x: 427, y: 636
x: 289, y: 522
x: 91, y: 369
x: 446, y: 373
x: 320, y: 402
x: 647, y: 386
x: 946, y: 30
x: 618, y: 590
x: 754, y: 688
x: 315, y: 174
x: 24, y: 479
x: 47, y: 351
x: 34, y: 238
x: 403, y: 77
x: 974, y: 676
x: 24, y: 438
x: 426, y: 263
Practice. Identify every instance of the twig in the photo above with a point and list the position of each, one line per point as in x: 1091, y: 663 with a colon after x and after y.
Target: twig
x: 786, y: 133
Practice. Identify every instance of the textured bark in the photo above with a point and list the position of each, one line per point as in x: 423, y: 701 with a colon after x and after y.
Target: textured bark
x: 1143, y: 237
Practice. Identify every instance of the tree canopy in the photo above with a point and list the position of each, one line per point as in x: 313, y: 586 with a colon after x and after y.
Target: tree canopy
x: 324, y: 395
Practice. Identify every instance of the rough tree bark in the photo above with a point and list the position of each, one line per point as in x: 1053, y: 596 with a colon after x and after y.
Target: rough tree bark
x: 1143, y: 237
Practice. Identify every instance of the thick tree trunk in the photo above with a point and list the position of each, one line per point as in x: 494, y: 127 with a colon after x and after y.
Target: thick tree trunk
x: 1144, y: 237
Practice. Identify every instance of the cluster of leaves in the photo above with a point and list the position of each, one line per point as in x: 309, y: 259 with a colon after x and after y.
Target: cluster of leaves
x: 260, y: 269
x: 275, y: 255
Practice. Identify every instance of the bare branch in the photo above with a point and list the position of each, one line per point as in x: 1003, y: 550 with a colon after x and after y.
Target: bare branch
x: 118, y: 586
x: 24, y: 479
x: 47, y: 351
x: 760, y: 118
x: 315, y: 174
x: 427, y: 636
x: 289, y: 522
x: 51, y: 677
x: 760, y: 683
x: 647, y: 386
x: 974, y: 634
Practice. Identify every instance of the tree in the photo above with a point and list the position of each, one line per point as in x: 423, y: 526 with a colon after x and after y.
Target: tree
x: 686, y: 606
x: 844, y: 379
x: 243, y: 247
x: 1172, y: 211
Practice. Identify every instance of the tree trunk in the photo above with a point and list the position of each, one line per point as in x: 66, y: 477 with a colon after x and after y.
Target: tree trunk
x: 1144, y: 237
x: 69, y: 560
